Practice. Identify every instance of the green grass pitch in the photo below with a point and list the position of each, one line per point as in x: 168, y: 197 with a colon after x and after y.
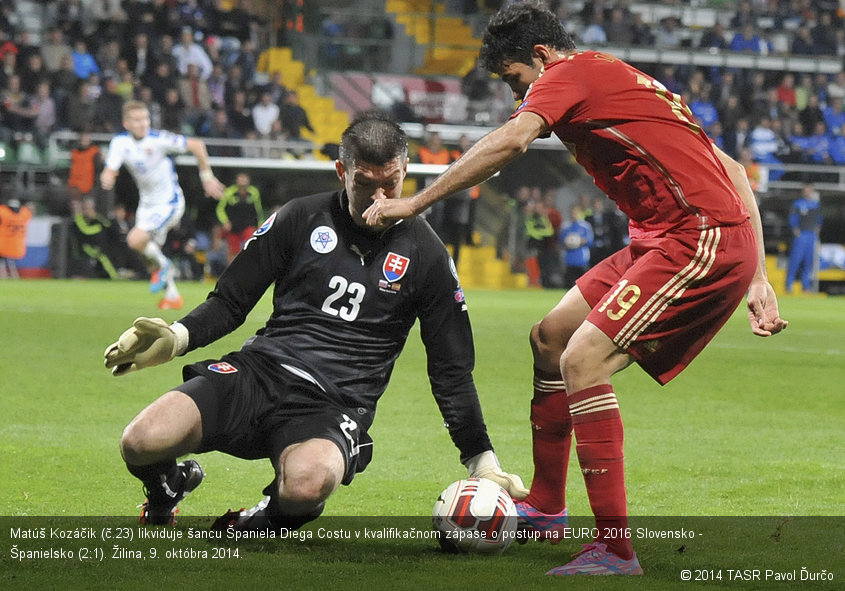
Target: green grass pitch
x: 745, y: 448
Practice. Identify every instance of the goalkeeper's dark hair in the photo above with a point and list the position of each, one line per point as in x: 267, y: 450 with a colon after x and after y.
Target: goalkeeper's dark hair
x: 372, y: 137
x: 513, y: 32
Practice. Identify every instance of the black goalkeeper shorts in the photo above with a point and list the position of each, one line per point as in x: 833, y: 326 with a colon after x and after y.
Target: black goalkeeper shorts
x: 253, y: 408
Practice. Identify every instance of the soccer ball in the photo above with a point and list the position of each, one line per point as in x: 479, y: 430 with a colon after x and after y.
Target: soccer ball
x: 475, y: 515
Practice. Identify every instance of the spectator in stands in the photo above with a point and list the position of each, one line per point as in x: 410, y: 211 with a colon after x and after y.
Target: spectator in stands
x: 763, y: 143
x: 824, y: 34
x: 240, y: 114
x: 812, y: 113
x: 818, y: 145
x: 195, y: 95
x: 748, y: 40
x: 802, y: 41
x: 8, y: 65
x: 71, y: 16
x: 108, y: 56
x: 139, y: 56
x: 247, y: 59
x: 275, y: 88
x: 44, y: 108
x: 126, y: 82
x: 31, y: 73
x: 730, y: 113
x: 618, y: 28
x: 714, y: 38
x: 834, y: 115
x: 217, y: 126
x: 836, y: 87
x: 235, y: 81
x: 160, y: 81
x: 80, y: 108
x: 755, y: 96
x: 752, y: 169
x: 172, y: 111
x: 63, y: 84
x: 264, y: 114
x: 190, y: 52
x: 786, y: 90
x: 145, y: 95
x: 163, y: 52
x: 17, y: 115
x: 107, y: 108
x: 217, y: 86
x: 594, y: 34
x: 84, y: 63
x: 745, y: 15
x: 54, y: 49
x: 293, y: 117
x: 666, y: 34
x: 837, y: 147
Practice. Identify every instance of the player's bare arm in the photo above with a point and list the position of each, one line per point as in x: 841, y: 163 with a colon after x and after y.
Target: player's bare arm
x: 488, y: 156
x: 212, y: 187
x: 108, y: 178
x: 763, y: 315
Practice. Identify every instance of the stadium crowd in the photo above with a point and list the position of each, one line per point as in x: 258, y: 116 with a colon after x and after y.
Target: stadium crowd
x: 194, y: 63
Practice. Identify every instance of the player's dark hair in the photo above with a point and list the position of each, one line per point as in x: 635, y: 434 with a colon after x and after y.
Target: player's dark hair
x: 372, y: 137
x: 513, y: 32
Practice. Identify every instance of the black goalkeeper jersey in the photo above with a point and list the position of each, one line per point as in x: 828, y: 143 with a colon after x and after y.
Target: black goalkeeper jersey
x: 344, y: 301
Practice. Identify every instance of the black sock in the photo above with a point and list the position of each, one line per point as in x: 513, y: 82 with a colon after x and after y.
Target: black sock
x: 151, y: 475
x: 279, y: 519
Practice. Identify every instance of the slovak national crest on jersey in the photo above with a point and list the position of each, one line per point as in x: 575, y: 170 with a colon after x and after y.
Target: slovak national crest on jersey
x: 394, y: 266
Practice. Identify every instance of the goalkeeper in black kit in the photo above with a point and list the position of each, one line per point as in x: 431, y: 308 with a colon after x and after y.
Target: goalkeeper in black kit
x: 303, y: 391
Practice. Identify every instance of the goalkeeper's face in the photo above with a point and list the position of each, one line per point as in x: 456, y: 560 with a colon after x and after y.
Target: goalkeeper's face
x: 366, y: 183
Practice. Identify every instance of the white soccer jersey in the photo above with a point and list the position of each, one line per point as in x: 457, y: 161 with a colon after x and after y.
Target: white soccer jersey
x: 149, y: 162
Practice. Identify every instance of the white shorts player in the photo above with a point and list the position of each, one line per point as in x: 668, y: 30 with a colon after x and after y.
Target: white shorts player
x: 149, y: 160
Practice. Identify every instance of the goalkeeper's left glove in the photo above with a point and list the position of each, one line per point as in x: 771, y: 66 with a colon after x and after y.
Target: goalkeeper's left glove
x: 486, y: 465
x: 149, y: 342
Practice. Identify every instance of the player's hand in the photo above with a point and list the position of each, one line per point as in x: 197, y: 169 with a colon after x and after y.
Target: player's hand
x: 149, y: 342
x: 213, y: 188
x: 384, y: 211
x: 486, y: 465
x: 763, y: 312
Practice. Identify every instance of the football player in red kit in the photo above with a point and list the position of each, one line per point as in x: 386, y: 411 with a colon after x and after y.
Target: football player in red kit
x: 696, y: 250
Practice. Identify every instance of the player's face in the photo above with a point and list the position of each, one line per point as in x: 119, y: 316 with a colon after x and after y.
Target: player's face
x: 367, y: 182
x: 137, y: 123
x: 520, y: 76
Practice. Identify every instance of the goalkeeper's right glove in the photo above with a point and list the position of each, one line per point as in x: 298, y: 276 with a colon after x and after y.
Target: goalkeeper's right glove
x: 149, y: 342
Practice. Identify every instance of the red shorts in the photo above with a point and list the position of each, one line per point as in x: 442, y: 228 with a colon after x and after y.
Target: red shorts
x: 663, y: 299
x: 236, y: 240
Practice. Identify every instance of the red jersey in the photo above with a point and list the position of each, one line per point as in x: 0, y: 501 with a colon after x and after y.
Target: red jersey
x: 638, y: 141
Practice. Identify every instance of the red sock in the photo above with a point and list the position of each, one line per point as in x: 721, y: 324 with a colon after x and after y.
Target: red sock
x: 551, y: 429
x: 598, y: 431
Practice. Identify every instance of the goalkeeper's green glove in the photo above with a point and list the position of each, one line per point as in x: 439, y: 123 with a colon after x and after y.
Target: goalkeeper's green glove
x: 486, y: 465
x: 149, y: 342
